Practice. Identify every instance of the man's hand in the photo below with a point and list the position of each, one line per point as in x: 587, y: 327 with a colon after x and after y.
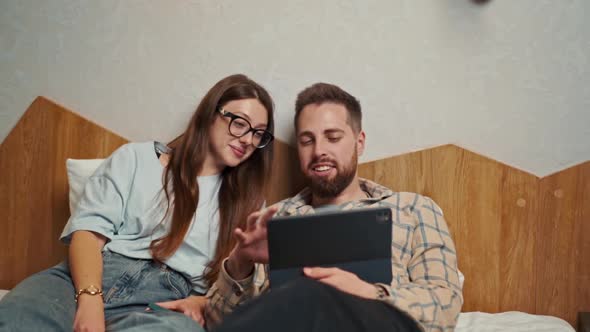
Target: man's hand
x: 342, y: 280
x: 192, y: 306
x: 252, y: 246
x: 90, y: 314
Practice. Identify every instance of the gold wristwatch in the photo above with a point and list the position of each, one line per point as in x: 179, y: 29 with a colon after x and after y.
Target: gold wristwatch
x: 90, y: 290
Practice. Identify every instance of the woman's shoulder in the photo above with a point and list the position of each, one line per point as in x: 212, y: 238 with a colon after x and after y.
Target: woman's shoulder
x: 135, y: 149
x: 130, y: 154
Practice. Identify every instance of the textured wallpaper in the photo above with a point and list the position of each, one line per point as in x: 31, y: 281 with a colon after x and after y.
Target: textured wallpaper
x: 510, y: 79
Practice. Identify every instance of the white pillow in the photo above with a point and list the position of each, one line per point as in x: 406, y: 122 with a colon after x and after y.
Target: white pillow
x: 79, y: 170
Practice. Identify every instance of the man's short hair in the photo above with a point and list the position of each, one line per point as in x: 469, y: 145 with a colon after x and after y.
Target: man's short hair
x: 320, y: 93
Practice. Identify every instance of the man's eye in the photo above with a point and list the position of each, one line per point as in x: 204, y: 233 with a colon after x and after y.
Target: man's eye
x: 305, y: 142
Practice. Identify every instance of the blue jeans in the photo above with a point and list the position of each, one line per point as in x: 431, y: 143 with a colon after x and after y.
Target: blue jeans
x: 45, y: 301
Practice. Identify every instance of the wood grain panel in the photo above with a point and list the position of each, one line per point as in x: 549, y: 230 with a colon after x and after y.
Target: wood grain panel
x: 477, y: 229
x: 523, y: 242
x: 519, y: 205
x: 559, y: 263
x: 583, y: 218
x: 33, y: 184
x: 286, y: 177
x: 467, y: 187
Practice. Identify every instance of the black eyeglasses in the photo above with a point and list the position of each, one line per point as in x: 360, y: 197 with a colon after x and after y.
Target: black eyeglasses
x: 239, y: 127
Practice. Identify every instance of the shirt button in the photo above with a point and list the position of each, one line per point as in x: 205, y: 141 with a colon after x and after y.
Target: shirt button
x: 237, y: 290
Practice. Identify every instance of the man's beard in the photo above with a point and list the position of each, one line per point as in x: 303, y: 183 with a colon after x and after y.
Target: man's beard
x: 330, y: 188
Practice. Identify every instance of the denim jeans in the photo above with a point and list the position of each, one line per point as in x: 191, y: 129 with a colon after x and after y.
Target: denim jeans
x: 45, y: 301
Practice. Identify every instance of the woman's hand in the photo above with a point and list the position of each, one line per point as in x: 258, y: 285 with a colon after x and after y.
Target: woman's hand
x: 192, y: 306
x: 90, y: 314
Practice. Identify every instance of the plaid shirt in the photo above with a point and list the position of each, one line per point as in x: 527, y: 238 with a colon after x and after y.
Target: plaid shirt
x: 424, y: 262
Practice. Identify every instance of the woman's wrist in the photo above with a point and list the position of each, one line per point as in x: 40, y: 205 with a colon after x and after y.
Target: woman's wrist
x: 85, y: 300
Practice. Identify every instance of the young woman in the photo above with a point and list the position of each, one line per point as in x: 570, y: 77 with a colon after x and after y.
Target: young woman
x: 155, y: 223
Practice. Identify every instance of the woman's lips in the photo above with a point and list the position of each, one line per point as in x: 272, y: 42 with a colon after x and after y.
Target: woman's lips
x: 238, y: 151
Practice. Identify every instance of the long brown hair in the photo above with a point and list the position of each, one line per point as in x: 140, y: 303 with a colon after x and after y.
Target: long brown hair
x: 241, y: 191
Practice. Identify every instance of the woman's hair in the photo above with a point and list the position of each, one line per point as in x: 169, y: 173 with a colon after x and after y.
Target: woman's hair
x: 242, y: 187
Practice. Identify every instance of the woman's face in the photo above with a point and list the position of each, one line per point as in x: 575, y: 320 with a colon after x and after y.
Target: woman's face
x: 226, y: 149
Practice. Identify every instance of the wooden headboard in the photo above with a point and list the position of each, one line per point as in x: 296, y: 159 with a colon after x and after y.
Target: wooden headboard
x: 523, y: 242
x: 34, y: 186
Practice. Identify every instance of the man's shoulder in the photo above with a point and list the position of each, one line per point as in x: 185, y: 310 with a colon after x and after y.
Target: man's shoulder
x: 402, y: 200
x: 411, y: 200
x: 291, y: 203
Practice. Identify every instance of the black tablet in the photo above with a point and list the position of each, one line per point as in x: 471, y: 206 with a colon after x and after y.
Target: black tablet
x: 358, y: 241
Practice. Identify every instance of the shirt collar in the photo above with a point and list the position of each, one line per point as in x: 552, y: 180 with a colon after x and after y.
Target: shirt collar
x: 301, y: 203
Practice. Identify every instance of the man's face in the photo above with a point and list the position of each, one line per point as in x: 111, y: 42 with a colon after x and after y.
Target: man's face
x: 328, y: 148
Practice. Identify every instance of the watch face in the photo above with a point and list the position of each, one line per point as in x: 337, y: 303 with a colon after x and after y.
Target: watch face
x: 93, y: 290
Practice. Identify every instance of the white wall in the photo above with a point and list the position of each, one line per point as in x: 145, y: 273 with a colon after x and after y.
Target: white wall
x: 509, y: 80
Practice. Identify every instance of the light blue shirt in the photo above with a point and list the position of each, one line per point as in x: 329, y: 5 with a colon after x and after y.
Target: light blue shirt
x: 124, y: 201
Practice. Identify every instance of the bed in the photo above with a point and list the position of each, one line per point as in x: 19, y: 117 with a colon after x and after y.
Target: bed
x: 502, y: 322
x: 507, y: 293
x: 511, y: 321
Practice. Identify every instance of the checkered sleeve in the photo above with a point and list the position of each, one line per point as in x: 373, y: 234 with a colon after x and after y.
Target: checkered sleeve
x: 433, y: 295
x: 226, y: 293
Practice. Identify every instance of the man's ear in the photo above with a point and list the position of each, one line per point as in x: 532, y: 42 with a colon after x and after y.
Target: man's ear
x: 360, y: 143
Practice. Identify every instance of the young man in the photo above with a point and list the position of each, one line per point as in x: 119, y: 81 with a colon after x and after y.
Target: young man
x: 425, y: 292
